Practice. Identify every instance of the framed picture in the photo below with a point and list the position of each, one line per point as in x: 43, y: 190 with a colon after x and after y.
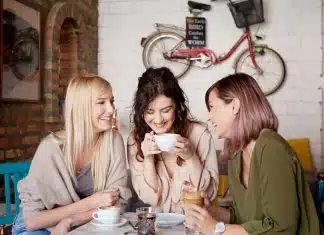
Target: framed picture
x: 20, y: 71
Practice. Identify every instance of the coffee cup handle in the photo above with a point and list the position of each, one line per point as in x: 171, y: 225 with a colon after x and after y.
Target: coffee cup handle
x: 95, y: 215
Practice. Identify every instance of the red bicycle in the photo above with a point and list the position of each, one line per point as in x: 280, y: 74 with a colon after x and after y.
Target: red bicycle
x: 167, y: 47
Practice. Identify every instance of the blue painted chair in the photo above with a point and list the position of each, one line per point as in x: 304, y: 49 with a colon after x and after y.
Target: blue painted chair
x: 12, y: 172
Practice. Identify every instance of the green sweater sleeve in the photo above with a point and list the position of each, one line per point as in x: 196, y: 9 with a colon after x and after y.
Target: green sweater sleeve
x: 278, y: 191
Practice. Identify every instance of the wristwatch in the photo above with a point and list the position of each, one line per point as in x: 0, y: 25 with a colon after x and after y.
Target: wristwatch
x: 220, y: 228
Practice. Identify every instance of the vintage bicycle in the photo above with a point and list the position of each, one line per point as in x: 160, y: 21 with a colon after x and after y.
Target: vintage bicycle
x: 167, y: 46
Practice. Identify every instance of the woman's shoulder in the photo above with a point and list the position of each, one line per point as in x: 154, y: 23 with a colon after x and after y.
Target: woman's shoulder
x: 117, y: 138
x: 196, y: 129
x: 273, y: 148
x: 272, y: 139
x: 198, y: 134
x: 54, y: 139
x: 50, y: 146
x: 131, y: 139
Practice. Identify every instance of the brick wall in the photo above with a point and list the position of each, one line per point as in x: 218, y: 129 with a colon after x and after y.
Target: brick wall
x: 23, y: 125
x: 293, y: 28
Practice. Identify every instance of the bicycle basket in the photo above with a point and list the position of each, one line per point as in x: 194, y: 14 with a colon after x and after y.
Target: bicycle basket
x: 246, y: 12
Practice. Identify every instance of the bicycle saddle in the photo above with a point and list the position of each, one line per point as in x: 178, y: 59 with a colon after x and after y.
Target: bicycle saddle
x: 199, y: 6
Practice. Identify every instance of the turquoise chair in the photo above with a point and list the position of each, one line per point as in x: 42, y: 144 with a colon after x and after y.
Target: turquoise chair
x: 12, y: 172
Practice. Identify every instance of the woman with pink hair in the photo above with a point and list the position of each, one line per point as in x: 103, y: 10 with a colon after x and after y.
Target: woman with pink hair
x: 270, y: 192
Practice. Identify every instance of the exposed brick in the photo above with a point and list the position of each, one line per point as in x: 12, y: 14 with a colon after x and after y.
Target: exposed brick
x: 14, y: 142
x: 14, y: 153
x: 36, y: 107
x: 13, y: 130
x: 2, y: 155
x: 11, y: 153
x: 34, y: 128
x: 20, y: 119
x: 4, y: 142
x: 25, y: 119
x: 2, y: 130
x: 37, y: 118
x: 30, y: 140
x: 31, y: 150
x: 53, y: 127
x: 19, y: 152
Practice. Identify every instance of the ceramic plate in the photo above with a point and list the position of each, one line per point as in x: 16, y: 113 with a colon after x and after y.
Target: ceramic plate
x: 169, y: 219
x: 101, y: 224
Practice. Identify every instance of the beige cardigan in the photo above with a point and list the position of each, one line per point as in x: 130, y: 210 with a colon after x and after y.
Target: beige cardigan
x: 49, y: 183
x: 169, y: 199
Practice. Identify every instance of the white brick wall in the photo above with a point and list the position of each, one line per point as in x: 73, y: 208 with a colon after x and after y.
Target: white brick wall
x: 293, y: 28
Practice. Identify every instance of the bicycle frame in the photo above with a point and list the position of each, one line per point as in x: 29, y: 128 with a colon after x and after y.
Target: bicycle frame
x: 191, y: 53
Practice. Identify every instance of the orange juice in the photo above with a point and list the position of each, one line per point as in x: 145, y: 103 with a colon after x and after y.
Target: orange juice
x: 193, y: 198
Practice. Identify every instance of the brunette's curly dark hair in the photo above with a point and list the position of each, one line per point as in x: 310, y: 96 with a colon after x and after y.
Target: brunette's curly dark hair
x: 152, y: 83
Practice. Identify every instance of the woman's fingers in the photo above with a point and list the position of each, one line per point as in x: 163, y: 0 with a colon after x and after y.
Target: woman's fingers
x: 148, y: 136
x: 181, y: 139
x: 180, y: 145
x: 194, y: 214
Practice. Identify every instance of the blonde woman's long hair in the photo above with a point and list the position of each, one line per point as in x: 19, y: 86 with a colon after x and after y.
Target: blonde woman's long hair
x: 80, y: 95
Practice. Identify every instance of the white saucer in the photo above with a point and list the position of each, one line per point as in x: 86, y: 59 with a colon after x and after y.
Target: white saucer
x: 101, y: 224
x: 169, y: 219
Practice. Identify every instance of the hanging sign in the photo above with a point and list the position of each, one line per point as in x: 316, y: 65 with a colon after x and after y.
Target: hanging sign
x: 196, y: 31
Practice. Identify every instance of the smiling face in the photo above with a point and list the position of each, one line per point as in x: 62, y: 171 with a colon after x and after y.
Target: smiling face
x: 160, y: 114
x: 102, y: 111
x: 222, y: 115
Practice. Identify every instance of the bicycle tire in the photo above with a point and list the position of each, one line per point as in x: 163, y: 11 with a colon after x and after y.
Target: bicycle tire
x: 260, y: 50
x: 148, y: 48
x: 14, y: 67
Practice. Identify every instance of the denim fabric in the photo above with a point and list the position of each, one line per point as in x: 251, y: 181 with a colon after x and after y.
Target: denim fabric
x: 19, y: 228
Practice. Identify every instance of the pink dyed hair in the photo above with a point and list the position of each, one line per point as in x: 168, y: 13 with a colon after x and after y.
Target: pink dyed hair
x: 255, y: 112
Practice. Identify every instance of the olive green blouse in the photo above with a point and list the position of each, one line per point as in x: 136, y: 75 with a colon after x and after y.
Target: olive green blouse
x: 278, y: 199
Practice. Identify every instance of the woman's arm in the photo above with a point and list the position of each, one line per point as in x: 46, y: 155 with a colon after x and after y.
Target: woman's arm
x: 220, y: 213
x: 65, y: 225
x: 150, y: 175
x: 205, y: 151
x: 199, y: 218
x: 49, y: 218
x: 145, y: 179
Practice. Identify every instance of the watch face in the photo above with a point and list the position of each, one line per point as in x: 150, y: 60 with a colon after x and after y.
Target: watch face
x: 220, y: 227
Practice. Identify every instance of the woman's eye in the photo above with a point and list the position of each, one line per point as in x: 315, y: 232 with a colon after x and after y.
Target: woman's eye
x: 166, y: 110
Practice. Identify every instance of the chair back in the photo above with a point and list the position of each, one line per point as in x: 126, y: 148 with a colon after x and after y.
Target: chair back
x: 12, y: 173
x: 302, y: 148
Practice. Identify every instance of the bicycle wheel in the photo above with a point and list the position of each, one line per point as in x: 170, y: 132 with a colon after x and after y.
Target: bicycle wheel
x: 272, y: 68
x: 155, y: 50
x: 26, y: 65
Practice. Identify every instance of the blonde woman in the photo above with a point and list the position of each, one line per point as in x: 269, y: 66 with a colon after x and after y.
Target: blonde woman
x: 77, y: 170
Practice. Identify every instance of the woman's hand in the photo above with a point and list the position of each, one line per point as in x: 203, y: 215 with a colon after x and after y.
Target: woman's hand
x: 199, y: 218
x: 105, y: 198
x: 148, y: 146
x: 182, y: 148
x: 63, y: 227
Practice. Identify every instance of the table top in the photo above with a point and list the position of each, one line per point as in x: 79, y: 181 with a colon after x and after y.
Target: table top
x: 125, y: 229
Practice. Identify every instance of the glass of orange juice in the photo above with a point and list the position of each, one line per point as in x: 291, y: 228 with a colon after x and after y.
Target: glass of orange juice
x: 193, y: 197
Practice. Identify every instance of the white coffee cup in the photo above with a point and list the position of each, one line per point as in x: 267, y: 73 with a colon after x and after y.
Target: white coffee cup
x: 165, y: 142
x: 107, y: 215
